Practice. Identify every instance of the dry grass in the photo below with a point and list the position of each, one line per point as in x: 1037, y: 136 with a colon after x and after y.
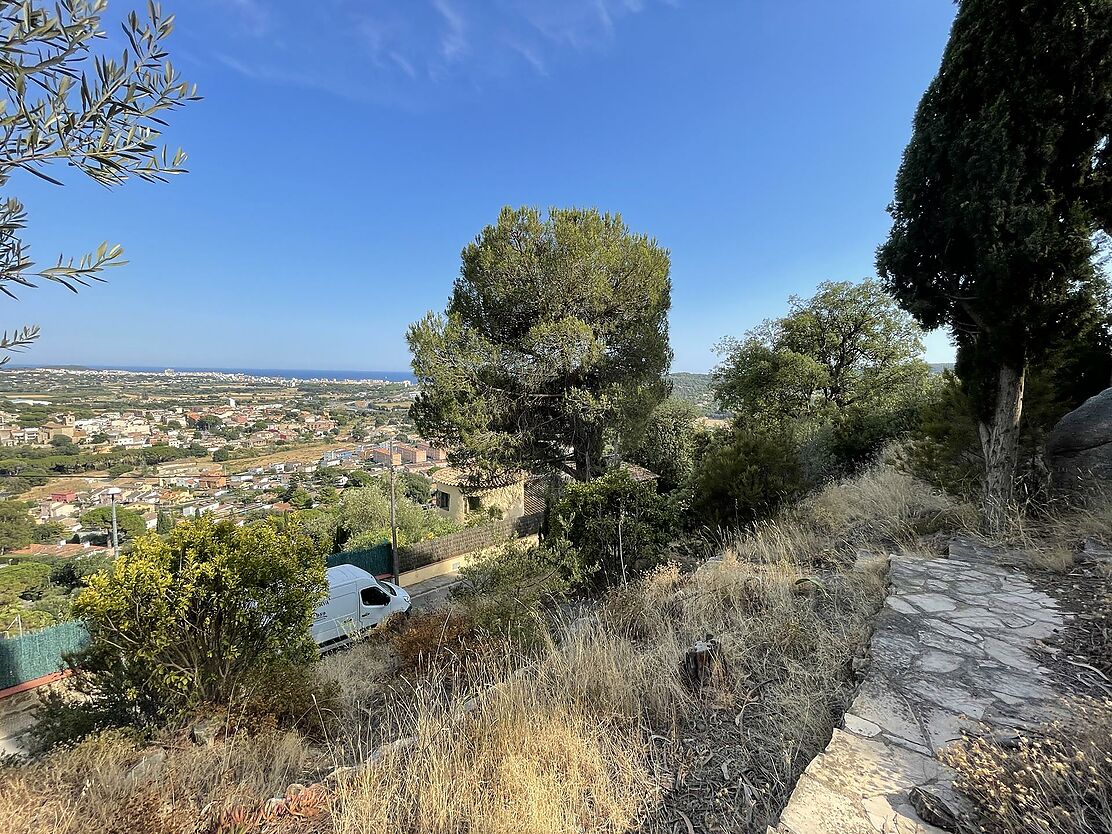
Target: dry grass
x: 1057, y: 780
x: 882, y: 508
x: 520, y: 761
x: 1051, y: 537
x: 102, y: 784
x: 590, y: 735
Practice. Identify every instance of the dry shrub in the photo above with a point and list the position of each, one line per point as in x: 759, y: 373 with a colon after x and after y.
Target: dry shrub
x: 440, y: 638
x: 1050, y: 536
x: 111, y: 785
x: 880, y: 507
x: 1055, y: 781
x: 560, y: 744
x: 487, y: 739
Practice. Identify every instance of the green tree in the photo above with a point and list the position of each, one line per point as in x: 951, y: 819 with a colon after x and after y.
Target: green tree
x: 164, y: 523
x: 610, y: 528
x: 848, y: 347
x: 668, y: 443
x: 215, y: 610
x: 365, y: 518
x: 417, y: 488
x: 49, y: 532
x: 15, y: 526
x: 129, y: 524
x: 1003, y: 186
x: 300, y: 498
x: 744, y: 477
x: 556, y: 335
x: 104, y: 123
x: 60, y: 441
x: 222, y: 454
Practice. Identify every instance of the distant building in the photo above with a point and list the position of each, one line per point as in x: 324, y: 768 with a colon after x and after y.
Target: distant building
x: 383, y: 455
x: 212, y: 480
x: 411, y: 454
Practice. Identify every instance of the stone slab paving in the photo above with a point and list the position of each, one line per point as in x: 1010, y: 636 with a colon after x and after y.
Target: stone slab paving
x: 956, y: 643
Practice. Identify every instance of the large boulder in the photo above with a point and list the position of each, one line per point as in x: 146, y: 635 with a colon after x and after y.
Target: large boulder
x: 1079, y: 448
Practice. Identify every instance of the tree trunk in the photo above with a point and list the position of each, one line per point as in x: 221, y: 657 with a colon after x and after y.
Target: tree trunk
x: 1000, y: 445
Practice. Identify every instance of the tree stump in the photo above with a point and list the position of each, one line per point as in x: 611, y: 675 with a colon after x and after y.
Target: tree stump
x: 703, y: 664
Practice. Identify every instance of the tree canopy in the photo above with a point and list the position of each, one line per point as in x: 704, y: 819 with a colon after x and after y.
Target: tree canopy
x: 129, y: 523
x: 16, y: 530
x: 849, y: 346
x: 668, y: 443
x: 105, y: 123
x: 554, y: 341
x: 1006, y: 180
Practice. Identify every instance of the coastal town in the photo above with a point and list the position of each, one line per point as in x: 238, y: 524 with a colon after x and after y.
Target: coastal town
x: 229, y: 445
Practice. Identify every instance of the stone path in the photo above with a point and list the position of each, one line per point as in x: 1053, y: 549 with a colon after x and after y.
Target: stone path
x: 956, y: 643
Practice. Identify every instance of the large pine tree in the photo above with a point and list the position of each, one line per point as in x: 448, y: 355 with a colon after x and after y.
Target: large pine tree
x: 1006, y: 180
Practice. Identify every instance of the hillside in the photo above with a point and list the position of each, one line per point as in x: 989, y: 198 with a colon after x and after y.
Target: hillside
x: 695, y: 389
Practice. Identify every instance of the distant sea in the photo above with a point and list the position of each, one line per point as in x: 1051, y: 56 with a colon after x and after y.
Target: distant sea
x: 287, y: 373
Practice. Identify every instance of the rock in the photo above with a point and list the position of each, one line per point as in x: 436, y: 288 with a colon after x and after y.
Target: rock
x: 940, y: 805
x: 1094, y: 550
x: 206, y: 731
x: 148, y: 763
x: 341, y: 774
x: 1079, y: 447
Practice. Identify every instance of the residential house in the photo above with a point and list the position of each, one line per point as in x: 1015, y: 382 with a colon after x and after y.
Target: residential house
x: 460, y: 495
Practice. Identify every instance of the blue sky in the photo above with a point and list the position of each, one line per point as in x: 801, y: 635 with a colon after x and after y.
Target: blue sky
x: 346, y: 150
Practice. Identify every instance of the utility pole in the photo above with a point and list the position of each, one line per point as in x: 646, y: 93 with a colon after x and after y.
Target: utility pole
x: 396, y: 558
x: 112, y: 493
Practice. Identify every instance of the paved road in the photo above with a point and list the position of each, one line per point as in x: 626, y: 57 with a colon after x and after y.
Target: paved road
x: 432, y: 593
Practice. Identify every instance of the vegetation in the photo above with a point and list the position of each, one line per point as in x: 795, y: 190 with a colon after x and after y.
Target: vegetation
x: 22, y: 467
x: 504, y: 592
x: 364, y: 518
x: 105, y: 123
x: 1054, y: 780
x: 610, y: 529
x: 16, y: 530
x: 470, y: 742
x: 207, y: 617
x: 38, y: 592
x: 554, y: 342
x: 129, y: 523
x: 697, y: 389
x: 670, y: 442
x: 847, y: 349
x: 745, y: 476
x: 998, y: 201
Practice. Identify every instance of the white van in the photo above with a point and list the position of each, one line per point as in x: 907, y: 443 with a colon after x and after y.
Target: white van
x: 356, y: 601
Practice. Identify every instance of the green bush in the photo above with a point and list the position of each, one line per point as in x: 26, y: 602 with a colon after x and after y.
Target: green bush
x: 197, y: 618
x: 610, y: 528
x: 746, y: 476
x: 506, y: 591
x: 853, y: 441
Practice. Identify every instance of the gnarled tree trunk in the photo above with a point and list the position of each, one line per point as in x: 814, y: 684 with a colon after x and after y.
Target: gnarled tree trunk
x: 1000, y: 445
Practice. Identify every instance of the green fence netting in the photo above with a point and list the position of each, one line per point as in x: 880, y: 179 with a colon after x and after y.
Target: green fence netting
x: 374, y: 560
x: 40, y: 653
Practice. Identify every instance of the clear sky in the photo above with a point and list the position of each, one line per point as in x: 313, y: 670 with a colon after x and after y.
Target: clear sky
x: 346, y: 150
